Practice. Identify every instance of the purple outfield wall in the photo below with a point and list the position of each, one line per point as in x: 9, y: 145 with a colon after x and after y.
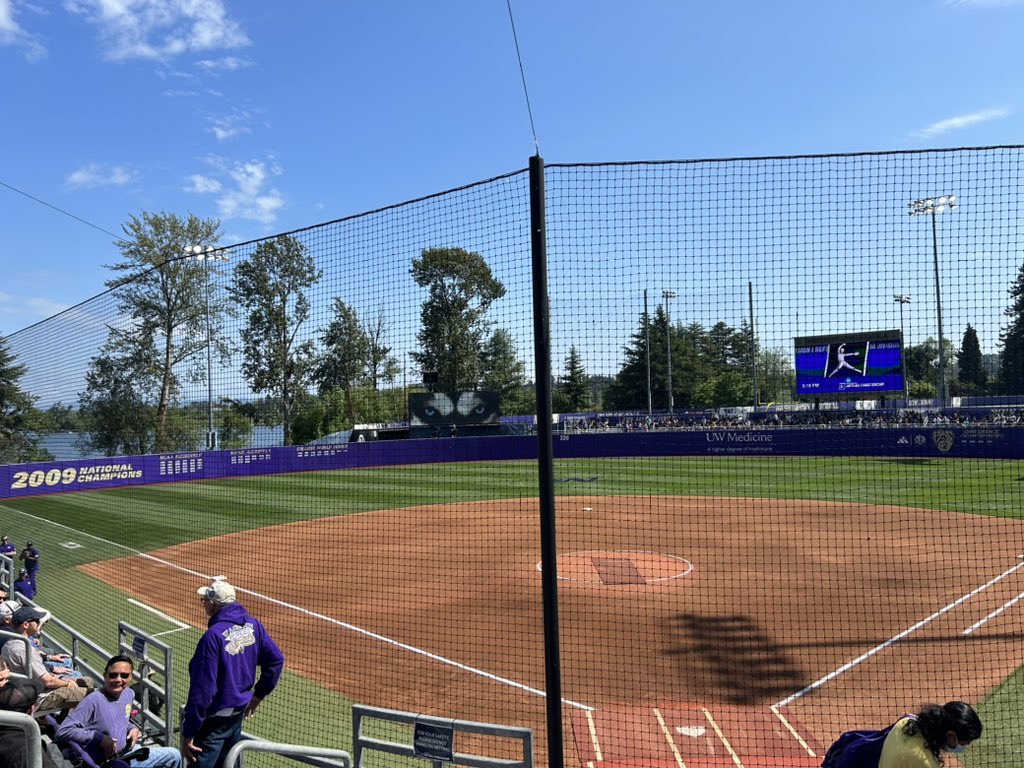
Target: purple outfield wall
x: 979, y: 442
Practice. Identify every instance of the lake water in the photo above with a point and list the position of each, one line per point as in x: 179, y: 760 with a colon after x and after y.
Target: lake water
x: 62, y: 444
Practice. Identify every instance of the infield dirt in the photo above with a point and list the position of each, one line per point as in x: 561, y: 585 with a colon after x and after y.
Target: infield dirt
x: 846, y: 614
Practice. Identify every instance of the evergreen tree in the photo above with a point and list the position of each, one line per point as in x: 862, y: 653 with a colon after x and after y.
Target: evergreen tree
x: 973, y: 378
x: 1011, y: 372
x: 575, y: 388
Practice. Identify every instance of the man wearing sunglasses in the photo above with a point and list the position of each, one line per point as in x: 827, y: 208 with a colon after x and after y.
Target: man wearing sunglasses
x: 100, y: 723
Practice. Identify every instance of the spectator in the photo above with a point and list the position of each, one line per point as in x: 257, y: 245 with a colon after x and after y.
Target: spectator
x: 25, y: 586
x: 5, y: 673
x: 7, y: 609
x: 223, y: 687
x: 918, y: 742
x: 101, y: 726
x: 6, y: 548
x: 19, y: 696
x: 60, y: 694
x: 30, y: 556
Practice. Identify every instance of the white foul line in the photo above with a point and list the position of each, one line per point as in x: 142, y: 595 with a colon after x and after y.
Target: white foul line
x: 314, y: 614
x: 161, y: 614
x: 910, y: 630
x: 996, y: 612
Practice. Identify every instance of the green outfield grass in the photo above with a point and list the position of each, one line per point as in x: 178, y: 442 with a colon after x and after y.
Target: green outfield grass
x: 76, y: 528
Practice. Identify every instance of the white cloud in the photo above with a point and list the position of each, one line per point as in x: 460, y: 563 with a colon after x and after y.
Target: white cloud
x: 94, y: 175
x: 229, y: 126
x: 245, y: 189
x: 226, y: 64
x: 961, y: 121
x: 160, y: 29
x: 13, y: 34
x: 32, y: 308
x: 202, y: 185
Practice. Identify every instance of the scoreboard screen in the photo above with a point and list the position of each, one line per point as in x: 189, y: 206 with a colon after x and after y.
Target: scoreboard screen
x: 850, y: 365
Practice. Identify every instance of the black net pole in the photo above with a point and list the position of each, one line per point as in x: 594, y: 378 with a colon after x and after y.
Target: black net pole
x: 545, y: 461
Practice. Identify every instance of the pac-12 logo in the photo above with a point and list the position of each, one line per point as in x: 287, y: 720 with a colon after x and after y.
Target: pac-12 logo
x: 943, y: 439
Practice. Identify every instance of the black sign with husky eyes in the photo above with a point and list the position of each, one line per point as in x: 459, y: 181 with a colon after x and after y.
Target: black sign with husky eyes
x: 429, y: 408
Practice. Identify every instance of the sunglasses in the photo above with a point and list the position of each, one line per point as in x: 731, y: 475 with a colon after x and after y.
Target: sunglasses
x: 120, y: 675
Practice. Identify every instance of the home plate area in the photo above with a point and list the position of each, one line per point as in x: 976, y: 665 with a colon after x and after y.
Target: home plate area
x: 692, y: 736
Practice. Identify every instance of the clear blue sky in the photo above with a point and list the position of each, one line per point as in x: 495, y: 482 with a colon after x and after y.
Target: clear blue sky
x: 272, y: 116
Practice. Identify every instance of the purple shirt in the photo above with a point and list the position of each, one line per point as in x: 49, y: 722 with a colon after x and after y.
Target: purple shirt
x: 222, y: 671
x: 97, y: 716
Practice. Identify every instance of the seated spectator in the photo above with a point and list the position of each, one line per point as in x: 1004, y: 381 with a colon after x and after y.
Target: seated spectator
x: 60, y: 694
x: 101, y: 726
x: 7, y: 609
x: 59, y: 664
x: 24, y: 585
x: 19, y: 696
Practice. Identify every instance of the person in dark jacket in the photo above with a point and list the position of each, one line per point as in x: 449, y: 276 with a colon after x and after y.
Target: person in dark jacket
x: 24, y: 586
x: 30, y: 556
x: 223, y: 689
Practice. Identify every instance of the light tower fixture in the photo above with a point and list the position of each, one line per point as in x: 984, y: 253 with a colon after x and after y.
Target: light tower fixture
x: 208, y: 254
x: 933, y: 206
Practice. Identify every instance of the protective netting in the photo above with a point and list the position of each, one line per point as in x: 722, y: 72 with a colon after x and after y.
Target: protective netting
x: 783, y: 508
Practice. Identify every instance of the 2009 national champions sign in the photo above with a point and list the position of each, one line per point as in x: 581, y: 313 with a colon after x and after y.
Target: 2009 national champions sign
x: 978, y: 442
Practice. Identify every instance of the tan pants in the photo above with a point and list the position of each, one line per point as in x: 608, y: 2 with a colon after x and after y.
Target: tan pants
x: 58, y: 699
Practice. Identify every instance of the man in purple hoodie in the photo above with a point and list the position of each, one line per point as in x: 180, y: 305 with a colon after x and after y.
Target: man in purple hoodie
x: 223, y: 689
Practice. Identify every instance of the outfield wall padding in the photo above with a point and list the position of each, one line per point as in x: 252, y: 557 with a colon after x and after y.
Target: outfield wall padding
x: 982, y: 442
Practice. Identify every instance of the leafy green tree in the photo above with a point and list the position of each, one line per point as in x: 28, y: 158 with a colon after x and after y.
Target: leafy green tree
x: 63, y: 418
x: 235, y: 426
x: 575, y: 386
x: 21, y: 425
x: 270, y: 288
x: 342, y: 364
x: 973, y: 378
x: 163, y: 293
x: 503, y: 371
x: 460, y: 290
x: 118, y: 405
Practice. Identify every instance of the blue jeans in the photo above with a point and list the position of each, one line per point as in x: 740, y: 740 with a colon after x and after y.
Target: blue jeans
x: 216, y: 737
x: 159, y: 757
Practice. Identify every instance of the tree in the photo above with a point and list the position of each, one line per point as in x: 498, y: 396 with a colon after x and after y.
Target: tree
x: 118, y: 405
x: 460, y: 289
x: 163, y: 294
x: 503, y: 372
x: 973, y: 378
x: 21, y: 425
x: 1011, y: 372
x: 343, y: 363
x: 575, y: 388
x: 381, y: 365
x: 270, y: 287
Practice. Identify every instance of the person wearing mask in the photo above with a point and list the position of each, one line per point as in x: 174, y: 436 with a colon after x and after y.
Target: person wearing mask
x: 921, y: 740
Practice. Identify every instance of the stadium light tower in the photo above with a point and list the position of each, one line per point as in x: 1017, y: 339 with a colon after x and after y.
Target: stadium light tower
x: 933, y: 206
x: 901, y: 299
x: 208, y: 254
x: 666, y: 295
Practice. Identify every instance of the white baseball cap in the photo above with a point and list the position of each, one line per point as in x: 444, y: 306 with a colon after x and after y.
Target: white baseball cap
x: 218, y: 592
x: 8, y: 607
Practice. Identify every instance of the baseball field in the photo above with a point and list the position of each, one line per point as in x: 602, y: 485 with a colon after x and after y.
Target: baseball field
x: 712, y: 611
